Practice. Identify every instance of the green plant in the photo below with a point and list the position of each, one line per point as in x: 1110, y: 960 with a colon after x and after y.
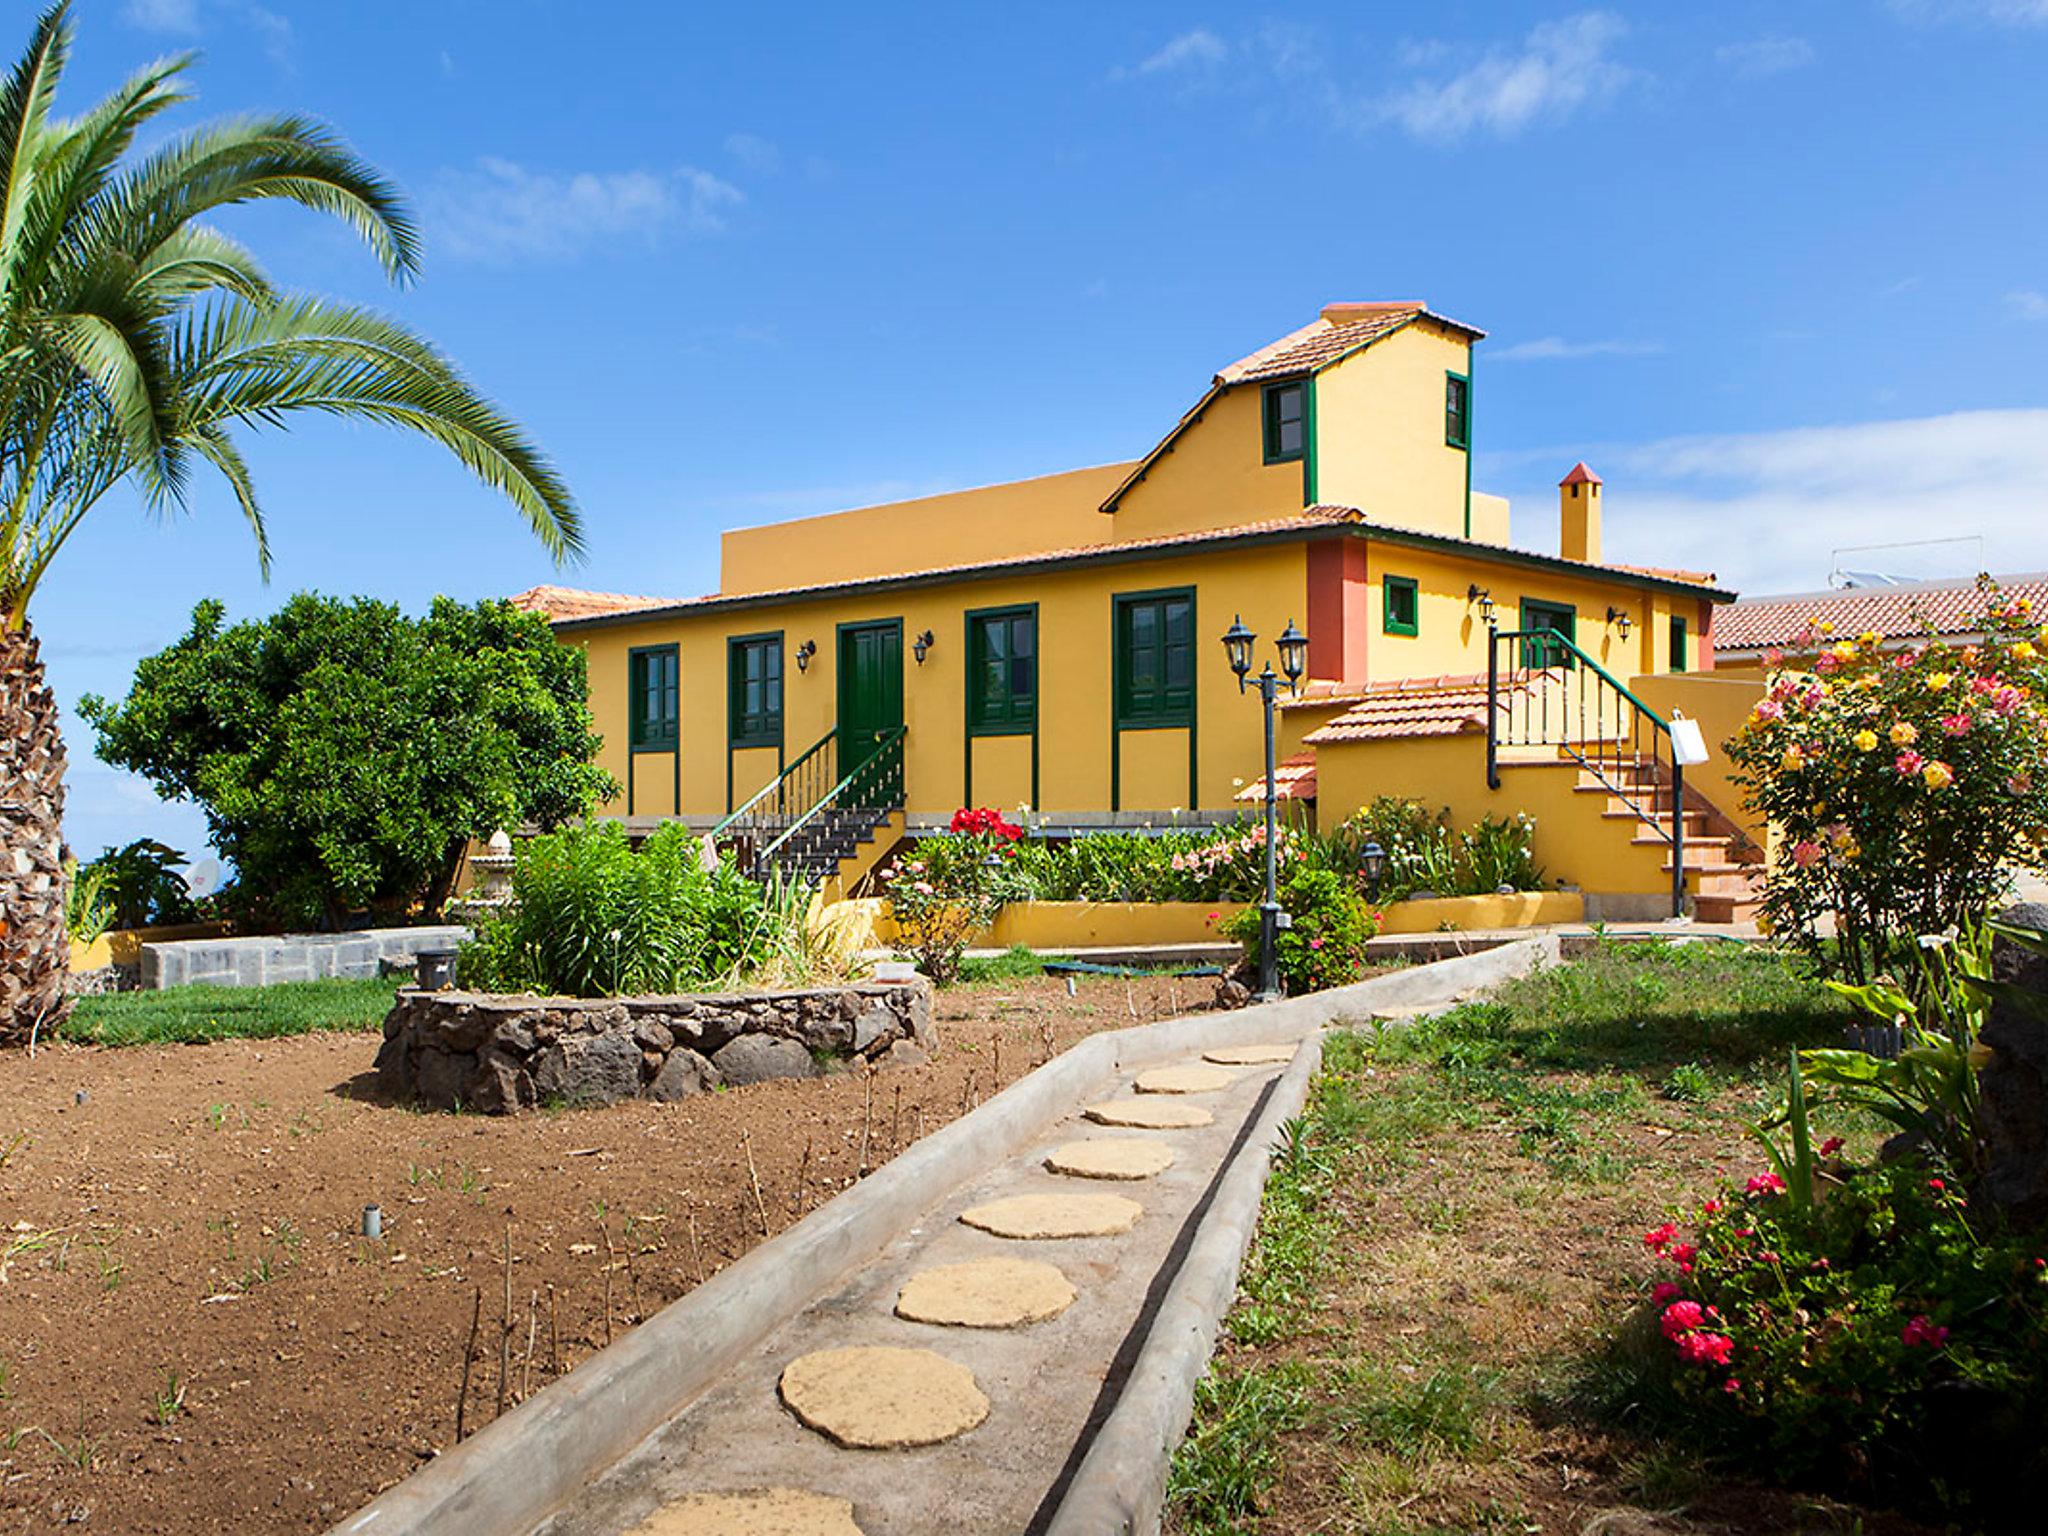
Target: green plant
x: 135, y: 339
x: 592, y: 917
x: 169, y: 1399
x: 1012, y: 964
x: 88, y: 905
x: 1496, y: 853
x: 143, y: 883
x: 952, y: 887
x: 1688, y: 1083
x: 1325, y: 945
x: 198, y: 1014
x: 346, y: 754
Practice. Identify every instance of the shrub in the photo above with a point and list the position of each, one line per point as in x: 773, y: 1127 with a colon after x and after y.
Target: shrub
x: 1423, y: 853
x: 590, y: 917
x: 1902, y: 783
x: 141, y: 885
x: 1326, y: 944
x: 346, y: 754
x: 952, y: 887
x: 1854, y: 1337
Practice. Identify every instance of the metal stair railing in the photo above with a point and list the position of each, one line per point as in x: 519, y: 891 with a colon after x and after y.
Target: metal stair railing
x: 874, y: 784
x: 1560, y: 698
x: 769, y: 811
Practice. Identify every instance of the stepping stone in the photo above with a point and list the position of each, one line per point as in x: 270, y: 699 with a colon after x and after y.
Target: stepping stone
x: 1048, y: 1216
x: 986, y: 1293
x: 1250, y: 1055
x: 873, y: 1399
x: 1153, y: 1115
x: 1188, y: 1079
x: 1124, y: 1157
x: 761, y: 1512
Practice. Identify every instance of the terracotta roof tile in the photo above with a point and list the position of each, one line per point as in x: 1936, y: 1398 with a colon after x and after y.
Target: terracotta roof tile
x: 1450, y: 705
x: 1294, y: 779
x: 1339, y: 329
x: 1670, y: 573
x: 1947, y: 607
x: 553, y: 603
x: 1578, y: 474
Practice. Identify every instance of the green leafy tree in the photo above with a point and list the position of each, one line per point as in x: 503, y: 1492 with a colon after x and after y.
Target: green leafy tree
x: 135, y: 337
x: 345, y: 754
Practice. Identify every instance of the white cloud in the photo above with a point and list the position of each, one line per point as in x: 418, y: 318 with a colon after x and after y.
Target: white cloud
x: 187, y: 18
x: 1767, y: 509
x: 1563, y: 66
x: 1555, y: 348
x: 2028, y: 304
x: 2011, y: 13
x: 1198, y: 49
x: 759, y: 155
x: 1768, y: 55
x: 162, y: 15
x: 503, y: 211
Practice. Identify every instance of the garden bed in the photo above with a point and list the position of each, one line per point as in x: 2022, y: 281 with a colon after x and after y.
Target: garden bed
x: 193, y: 1336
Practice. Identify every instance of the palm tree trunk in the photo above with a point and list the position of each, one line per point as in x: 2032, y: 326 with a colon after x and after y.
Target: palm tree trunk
x: 35, y: 951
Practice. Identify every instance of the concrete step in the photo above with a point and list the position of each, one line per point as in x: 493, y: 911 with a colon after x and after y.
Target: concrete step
x: 1707, y: 908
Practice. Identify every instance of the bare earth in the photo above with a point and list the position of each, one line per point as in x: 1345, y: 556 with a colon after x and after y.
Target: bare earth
x: 194, y: 1337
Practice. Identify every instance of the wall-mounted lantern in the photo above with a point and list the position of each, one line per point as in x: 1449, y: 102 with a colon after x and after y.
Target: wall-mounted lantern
x: 921, y: 645
x: 804, y: 653
x: 1619, y: 618
x: 1475, y: 593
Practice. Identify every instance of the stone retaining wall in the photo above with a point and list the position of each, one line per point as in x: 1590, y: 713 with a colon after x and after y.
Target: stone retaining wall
x: 269, y: 958
x: 500, y: 1054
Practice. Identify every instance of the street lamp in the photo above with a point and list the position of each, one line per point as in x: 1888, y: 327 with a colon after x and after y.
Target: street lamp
x: 1293, y: 648
x: 1372, y: 863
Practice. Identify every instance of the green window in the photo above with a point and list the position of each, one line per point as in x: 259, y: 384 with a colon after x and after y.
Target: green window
x: 1561, y: 618
x: 1286, y: 421
x: 1457, y: 410
x: 1002, y: 671
x: 653, y: 685
x: 1401, y: 606
x: 1679, y: 661
x: 754, y: 691
x: 1155, y: 659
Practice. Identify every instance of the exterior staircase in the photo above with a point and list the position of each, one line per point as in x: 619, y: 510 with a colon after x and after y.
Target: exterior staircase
x: 1724, y: 868
x: 827, y: 817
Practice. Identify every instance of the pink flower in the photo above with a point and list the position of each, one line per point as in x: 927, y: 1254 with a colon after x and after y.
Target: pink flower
x: 1706, y: 1349
x: 1957, y: 724
x: 1711, y: 1208
x: 1807, y: 854
x: 1908, y: 763
x: 1315, y: 943
x: 1923, y: 1332
x: 1937, y: 1185
x: 1657, y: 1239
x: 923, y: 888
x: 1664, y: 1293
x: 1826, y: 662
x: 1773, y: 657
x: 1770, y: 709
x: 1765, y: 1184
x: 1680, y: 1318
x: 1682, y: 1254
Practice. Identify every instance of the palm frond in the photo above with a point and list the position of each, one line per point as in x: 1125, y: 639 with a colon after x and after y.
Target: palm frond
x: 25, y: 104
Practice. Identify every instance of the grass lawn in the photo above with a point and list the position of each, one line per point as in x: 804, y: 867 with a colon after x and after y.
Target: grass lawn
x: 1451, y: 1239
x: 197, y: 1014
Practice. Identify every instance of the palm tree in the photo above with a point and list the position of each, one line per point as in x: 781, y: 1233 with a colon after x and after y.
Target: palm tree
x: 133, y: 338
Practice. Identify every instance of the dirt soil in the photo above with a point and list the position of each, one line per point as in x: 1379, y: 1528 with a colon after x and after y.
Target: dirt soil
x: 194, y: 1336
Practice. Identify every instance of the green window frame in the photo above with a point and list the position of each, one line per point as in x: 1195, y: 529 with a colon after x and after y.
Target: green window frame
x: 1457, y: 410
x: 1153, y: 647
x: 1401, y: 606
x: 655, y: 698
x: 753, y: 670
x: 1679, y: 648
x: 1002, y: 670
x: 1561, y: 617
x: 1285, y: 414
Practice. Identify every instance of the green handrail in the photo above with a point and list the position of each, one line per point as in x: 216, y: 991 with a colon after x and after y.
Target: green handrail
x: 777, y: 782
x: 1554, y: 637
x: 887, y: 742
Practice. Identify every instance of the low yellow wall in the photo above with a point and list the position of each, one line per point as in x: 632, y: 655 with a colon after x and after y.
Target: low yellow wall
x: 123, y: 946
x: 1721, y: 704
x: 1524, y: 909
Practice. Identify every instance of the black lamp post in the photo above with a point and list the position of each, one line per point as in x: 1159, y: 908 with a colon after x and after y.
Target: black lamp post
x: 1372, y: 863
x: 1293, y: 648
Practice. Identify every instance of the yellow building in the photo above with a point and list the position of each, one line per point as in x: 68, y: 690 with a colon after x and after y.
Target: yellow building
x: 1052, y: 643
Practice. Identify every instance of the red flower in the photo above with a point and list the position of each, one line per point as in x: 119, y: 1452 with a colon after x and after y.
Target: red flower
x: 1658, y: 1238
x: 1682, y: 1254
x: 1923, y: 1331
x: 1712, y: 1207
x: 1706, y: 1348
x: 1664, y: 1293
x: 1681, y: 1318
x: 1936, y: 1185
x: 1765, y: 1184
x: 1831, y: 1146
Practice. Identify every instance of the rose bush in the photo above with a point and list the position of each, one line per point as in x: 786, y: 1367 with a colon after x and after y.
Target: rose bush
x: 950, y: 888
x: 1326, y: 945
x: 1902, y: 783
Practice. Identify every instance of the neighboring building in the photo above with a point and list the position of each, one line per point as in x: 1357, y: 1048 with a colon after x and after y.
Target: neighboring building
x: 1053, y: 643
x: 1750, y: 630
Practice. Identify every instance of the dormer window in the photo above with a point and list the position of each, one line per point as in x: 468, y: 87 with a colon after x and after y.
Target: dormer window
x: 1286, y: 421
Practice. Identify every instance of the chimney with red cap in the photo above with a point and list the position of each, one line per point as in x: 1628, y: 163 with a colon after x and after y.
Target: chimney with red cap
x: 1578, y: 509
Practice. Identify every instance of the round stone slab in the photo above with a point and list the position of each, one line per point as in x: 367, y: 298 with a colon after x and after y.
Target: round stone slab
x: 1048, y: 1216
x: 986, y: 1293
x: 1121, y: 1157
x: 760, y: 1512
x: 1153, y: 1115
x: 874, y: 1399
x: 1194, y: 1078
x: 1250, y: 1055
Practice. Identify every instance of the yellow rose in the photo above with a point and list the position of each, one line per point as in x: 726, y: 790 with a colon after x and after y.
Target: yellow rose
x: 1866, y: 740
x: 1936, y: 681
x: 1827, y: 627
x: 2041, y: 634
x: 1793, y: 760
x: 1904, y: 735
x: 1938, y: 775
x: 1845, y: 650
x: 2024, y: 651
x: 1868, y: 638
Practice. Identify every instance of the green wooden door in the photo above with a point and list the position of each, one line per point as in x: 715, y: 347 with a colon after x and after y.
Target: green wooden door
x: 870, y: 698
x: 1559, y: 618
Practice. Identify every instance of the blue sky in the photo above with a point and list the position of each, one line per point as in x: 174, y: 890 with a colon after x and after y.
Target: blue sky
x: 1779, y: 271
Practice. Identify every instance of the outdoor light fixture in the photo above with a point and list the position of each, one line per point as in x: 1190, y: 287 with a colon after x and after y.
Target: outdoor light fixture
x: 804, y: 653
x: 1475, y: 593
x: 1619, y: 619
x: 921, y: 645
x: 1372, y: 863
x: 1293, y: 647
x: 1237, y: 642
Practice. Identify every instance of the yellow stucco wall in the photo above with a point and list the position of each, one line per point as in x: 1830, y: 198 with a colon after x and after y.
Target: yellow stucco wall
x: 988, y: 523
x: 1213, y: 476
x: 1267, y: 585
x: 1380, y: 431
x: 1720, y: 704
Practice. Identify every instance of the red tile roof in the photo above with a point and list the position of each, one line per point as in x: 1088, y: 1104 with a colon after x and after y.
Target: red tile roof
x: 1578, y: 474
x: 1451, y: 705
x: 1339, y: 330
x: 1946, y: 607
x: 553, y: 603
x: 1294, y: 779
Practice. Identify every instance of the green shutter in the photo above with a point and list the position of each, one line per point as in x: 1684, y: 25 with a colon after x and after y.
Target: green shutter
x: 1002, y: 671
x: 1400, y: 606
x: 653, y: 703
x: 1457, y: 410
x: 1679, y: 660
x: 754, y: 690
x: 1285, y: 416
x: 1154, y: 660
